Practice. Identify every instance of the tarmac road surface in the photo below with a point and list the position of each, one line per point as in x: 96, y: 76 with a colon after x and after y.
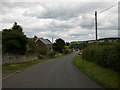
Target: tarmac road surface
x: 56, y: 73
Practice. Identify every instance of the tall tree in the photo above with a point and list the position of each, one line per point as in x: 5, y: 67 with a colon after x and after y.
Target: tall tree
x: 13, y: 40
x: 59, y: 45
x: 17, y: 27
x: 31, y: 46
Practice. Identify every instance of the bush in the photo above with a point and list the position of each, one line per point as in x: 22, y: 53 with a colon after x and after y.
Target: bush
x: 51, y: 54
x: 31, y: 46
x: 41, y: 57
x: 66, y: 51
x: 43, y: 51
x: 104, y: 55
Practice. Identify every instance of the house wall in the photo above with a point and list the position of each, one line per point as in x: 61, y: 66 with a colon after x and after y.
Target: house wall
x: 40, y: 44
x: 49, y: 46
x: 11, y: 59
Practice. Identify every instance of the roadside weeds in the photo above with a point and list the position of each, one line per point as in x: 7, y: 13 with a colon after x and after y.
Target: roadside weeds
x: 103, y: 76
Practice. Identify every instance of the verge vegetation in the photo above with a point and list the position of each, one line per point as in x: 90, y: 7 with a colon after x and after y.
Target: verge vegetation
x: 105, y: 55
x: 103, y: 76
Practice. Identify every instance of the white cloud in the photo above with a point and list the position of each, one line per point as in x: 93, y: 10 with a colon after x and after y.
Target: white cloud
x: 59, y: 0
x: 70, y: 21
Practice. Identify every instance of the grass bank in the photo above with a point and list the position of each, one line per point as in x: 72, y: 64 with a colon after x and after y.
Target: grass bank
x: 19, y: 66
x: 26, y: 64
x: 105, y: 77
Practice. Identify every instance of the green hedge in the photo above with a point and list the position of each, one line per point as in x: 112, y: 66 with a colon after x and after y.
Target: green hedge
x: 104, y: 55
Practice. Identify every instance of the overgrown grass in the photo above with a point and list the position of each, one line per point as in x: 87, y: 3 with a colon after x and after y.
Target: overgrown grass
x: 26, y: 64
x: 105, y: 77
x: 20, y: 65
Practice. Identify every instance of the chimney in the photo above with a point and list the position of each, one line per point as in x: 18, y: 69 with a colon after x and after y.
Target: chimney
x: 35, y: 38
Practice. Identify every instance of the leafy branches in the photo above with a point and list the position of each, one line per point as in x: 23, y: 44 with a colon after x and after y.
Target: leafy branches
x: 14, y: 41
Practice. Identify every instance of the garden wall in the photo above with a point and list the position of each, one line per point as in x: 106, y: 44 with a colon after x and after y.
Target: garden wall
x: 11, y: 59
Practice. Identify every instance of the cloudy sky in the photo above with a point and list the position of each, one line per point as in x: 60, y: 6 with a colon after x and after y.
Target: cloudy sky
x: 71, y: 21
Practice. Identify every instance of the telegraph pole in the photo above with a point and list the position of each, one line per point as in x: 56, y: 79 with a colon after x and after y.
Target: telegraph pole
x: 96, y: 25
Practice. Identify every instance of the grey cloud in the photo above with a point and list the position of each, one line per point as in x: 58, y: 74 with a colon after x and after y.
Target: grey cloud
x: 29, y: 34
x: 78, y: 34
x: 64, y: 11
x: 60, y: 25
x: 56, y: 19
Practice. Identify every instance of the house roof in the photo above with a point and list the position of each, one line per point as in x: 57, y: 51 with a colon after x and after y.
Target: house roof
x: 45, y: 41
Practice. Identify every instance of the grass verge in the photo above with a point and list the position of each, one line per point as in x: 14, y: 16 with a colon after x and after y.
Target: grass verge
x: 19, y: 66
x: 105, y: 77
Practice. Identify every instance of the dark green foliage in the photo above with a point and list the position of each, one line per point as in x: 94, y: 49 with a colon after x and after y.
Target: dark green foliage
x: 14, y: 41
x: 104, y: 55
x: 31, y: 46
x: 82, y: 45
x: 67, y: 44
x: 66, y: 51
x: 17, y: 28
x: 103, y: 41
x: 59, y: 45
x: 41, y: 52
x: 40, y: 57
x: 78, y: 46
x: 51, y: 54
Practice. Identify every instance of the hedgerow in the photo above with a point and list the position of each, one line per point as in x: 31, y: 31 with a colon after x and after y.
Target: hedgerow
x: 104, y: 55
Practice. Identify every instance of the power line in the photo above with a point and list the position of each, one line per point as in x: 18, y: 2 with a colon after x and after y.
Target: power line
x: 108, y: 8
x: 91, y: 26
x: 92, y: 23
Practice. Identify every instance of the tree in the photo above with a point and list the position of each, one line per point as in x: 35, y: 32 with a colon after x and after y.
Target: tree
x: 59, y: 45
x: 43, y: 51
x: 17, y: 27
x: 13, y: 40
x: 67, y: 44
x: 31, y: 46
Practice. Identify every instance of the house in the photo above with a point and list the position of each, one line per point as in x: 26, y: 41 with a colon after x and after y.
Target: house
x: 42, y: 43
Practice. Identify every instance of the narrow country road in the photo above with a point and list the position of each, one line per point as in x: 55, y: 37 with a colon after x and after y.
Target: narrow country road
x: 57, y: 73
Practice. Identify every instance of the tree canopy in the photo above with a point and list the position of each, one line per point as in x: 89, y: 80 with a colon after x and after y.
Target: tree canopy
x: 59, y: 45
x: 14, y: 40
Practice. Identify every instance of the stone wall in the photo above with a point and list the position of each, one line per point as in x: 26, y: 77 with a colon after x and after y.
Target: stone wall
x: 11, y: 59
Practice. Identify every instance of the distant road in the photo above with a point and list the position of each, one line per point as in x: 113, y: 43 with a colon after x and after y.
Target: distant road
x: 57, y: 73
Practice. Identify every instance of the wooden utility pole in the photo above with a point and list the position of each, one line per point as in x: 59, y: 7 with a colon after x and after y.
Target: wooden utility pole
x: 96, y: 25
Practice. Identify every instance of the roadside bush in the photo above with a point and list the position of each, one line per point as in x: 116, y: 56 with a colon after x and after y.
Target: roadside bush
x: 41, y: 57
x: 66, y: 51
x: 51, y: 54
x: 31, y: 46
x: 43, y: 51
x: 104, y: 55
